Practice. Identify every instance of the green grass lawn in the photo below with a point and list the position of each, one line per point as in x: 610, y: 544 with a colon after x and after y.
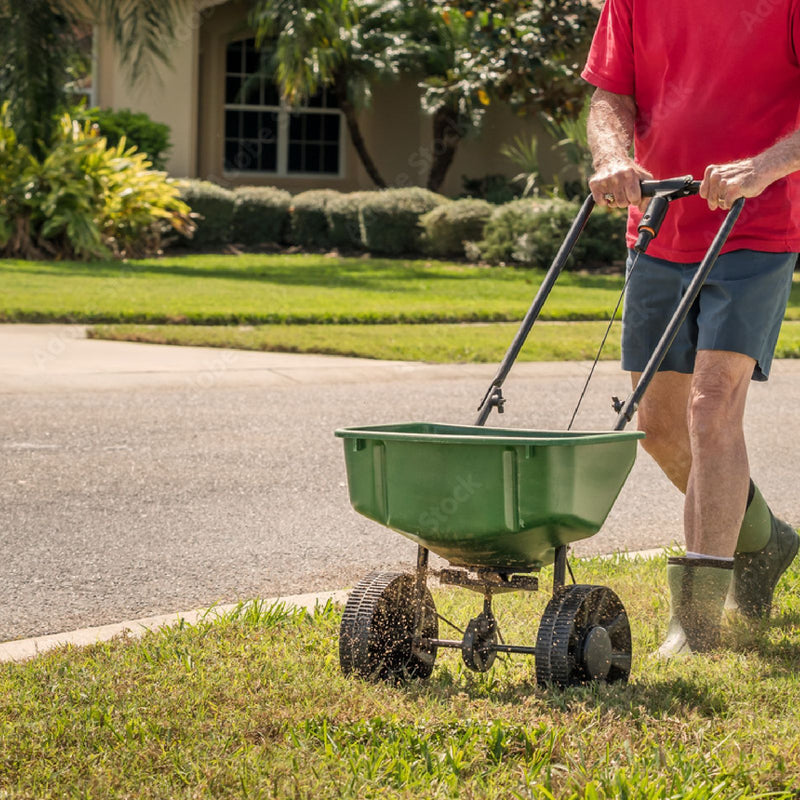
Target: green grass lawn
x: 481, y: 342
x: 380, y: 308
x: 254, y: 706
x: 251, y: 289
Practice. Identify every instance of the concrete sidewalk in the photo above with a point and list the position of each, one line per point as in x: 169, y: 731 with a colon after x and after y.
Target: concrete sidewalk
x: 41, y: 358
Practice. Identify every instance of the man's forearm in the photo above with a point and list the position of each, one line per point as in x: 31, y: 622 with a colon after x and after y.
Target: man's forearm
x: 610, y: 127
x: 780, y: 160
x: 724, y: 183
x: 610, y: 132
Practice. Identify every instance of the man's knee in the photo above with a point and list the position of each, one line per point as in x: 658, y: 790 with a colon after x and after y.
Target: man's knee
x: 718, y: 393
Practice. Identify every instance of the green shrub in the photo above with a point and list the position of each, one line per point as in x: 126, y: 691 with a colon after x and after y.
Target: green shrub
x: 84, y: 199
x: 147, y: 136
x: 390, y: 219
x: 260, y: 214
x: 309, y: 219
x: 495, y: 189
x: 448, y: 226
x: 137, y: 128
x: 530, y: 232
x: 214, y: 207
x: 344, y: 220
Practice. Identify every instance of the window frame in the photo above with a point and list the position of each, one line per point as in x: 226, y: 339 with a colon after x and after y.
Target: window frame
x: 284, y: 113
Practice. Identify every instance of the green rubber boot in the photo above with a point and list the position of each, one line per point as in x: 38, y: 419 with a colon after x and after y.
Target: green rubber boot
x: 766, y: 547
x: 697, y: 588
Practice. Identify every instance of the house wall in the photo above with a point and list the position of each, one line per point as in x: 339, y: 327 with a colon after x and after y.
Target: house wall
x: 189, y: 97
x: 167, y: 94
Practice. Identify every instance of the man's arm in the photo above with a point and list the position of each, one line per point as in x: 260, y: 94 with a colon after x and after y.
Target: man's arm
x: 724, y: 183
x: 610, y: 133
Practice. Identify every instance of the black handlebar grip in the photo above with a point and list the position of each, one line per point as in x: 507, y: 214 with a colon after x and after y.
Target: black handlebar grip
x: 679, y: 187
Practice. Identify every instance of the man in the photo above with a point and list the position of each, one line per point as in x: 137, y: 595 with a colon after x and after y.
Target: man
x: 710, y: 89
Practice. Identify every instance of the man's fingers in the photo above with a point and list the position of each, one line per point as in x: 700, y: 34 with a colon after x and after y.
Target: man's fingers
x: 710, y: 187
x: 617, y: 189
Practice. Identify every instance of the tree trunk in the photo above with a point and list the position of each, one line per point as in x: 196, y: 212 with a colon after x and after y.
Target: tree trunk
x: 447, y: 133
x: 355, y: 134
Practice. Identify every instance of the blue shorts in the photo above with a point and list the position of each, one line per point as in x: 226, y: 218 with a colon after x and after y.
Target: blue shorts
x: 740, y: 308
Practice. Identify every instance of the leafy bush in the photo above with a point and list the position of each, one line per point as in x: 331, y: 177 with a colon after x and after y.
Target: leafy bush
x: 448, y: 226
x: 496, y: 189
x: 84, y: 199
x: 214, y: 207
x: 390, y: 219
x: 344, y: 220
x: 260, y: 214
x: 149, y: 137
x: 309, y: 218
x: 530, y: 232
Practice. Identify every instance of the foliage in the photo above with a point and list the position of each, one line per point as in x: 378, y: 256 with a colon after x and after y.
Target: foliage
x: 530, y: 232
x: 495, y: 188
x: 344, y: 45
x: 523, y: 53
x: 149, y: 137
x: 448, y: 226
x: 214, y: 208
x: 260, y: 214
x: 344, y: 220
x: 524, y: 153
x: 84, y: 199
x: 39, y: 44
x: 36, y: 48
x: 390, y: 219
x: 572, y: 140
x: 309, y: 219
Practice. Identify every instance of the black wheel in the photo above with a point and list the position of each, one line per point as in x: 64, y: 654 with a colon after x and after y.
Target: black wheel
x: 377, y: 630
x: 584, y: 636
x: 479, y: 640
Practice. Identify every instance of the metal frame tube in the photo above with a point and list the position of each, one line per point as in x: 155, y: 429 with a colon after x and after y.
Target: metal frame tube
x: 491, y: 397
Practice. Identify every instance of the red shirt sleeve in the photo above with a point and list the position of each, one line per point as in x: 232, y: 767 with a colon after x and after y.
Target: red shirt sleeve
x: 610, y: 62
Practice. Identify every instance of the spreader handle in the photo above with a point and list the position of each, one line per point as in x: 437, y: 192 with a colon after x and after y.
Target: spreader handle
x: 671, y: 187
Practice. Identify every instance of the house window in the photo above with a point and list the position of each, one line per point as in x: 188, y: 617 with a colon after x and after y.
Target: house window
x: 262, y: 134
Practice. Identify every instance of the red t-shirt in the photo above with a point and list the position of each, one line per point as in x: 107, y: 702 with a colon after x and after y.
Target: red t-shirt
x: 713, y: 81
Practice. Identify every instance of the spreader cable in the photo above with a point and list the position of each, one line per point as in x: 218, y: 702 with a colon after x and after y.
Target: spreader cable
x: 605, y: 337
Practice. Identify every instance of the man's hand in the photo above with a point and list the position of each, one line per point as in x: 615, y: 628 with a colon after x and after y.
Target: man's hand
x: 725, y: 183
x: 616, y: 184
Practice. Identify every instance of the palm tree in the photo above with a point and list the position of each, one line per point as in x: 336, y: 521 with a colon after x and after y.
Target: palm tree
x: 38, y: 42
x: 343, y: 44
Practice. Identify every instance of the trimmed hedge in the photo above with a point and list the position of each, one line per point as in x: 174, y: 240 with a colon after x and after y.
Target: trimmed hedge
x: 344, y: 220
x: 309, y: 219
x: 260, y: 214
x: 215, y: 206
x: 449, y: 225
x: 390, y: 219
x: 529, y: 233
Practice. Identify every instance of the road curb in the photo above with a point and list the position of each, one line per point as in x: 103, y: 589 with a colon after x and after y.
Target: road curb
x: 26, y: 649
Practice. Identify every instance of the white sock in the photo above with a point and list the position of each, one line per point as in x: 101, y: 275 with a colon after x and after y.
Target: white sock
x: 710, y: 558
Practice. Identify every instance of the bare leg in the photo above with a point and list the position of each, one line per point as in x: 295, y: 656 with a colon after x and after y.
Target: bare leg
x: 663, y: 416
x: 716, y: 493
x: 694, y: 427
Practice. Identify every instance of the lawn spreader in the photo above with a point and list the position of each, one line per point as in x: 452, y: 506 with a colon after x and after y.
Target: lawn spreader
x: 498, y: 505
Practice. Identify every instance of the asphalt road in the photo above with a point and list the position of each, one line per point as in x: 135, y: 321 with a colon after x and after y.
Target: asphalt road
x: 137, y: 480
